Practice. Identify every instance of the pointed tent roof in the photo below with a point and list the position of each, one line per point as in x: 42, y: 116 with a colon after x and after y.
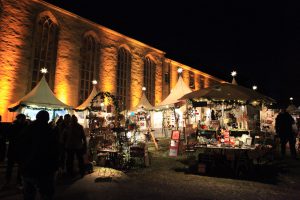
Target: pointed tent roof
x: 40, y: 96
x: 87, y: 102
x: 233, y: 81
x: 144, y: 103
x: 228, y: 91
x: 177, y: 92
x: 292, y: 109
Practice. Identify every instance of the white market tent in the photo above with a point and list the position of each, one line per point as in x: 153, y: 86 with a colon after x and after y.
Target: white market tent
x: 87, y: 102
x: 82, y: 110
x: 143, y: 104
x: 177, y: 92
x: 41, y: 96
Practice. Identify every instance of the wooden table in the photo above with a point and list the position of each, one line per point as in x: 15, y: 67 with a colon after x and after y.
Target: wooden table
x: 237, y: 159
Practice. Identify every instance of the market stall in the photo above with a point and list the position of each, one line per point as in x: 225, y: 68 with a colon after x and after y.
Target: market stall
x: 172, y: 109
x: 82, y: 111
x: 39, y: 98
x: 138, y: 122
x: 109, y: 140
x: 230, y: 125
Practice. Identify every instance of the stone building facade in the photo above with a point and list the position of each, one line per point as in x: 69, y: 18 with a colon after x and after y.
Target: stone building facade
x: 36, y: 34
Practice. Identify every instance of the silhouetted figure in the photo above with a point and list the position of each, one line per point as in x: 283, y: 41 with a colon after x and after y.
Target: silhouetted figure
x: 75, y: 145
x: 12, y: 153
x: 283, y: 126
x: 2, y: 142
x: 62, y: 125
x: 38, y: 150
x: 212, y: 115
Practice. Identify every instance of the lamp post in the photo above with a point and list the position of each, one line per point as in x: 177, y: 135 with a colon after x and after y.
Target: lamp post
x: 94, y: 82
x: 233, y: 74
x: 291, y: 99
x: 179, y: 70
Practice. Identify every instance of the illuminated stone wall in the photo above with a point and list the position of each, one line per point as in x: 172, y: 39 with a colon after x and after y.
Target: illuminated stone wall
x: 185, y: 75
x: 17, y: 21
x: 15, y: 50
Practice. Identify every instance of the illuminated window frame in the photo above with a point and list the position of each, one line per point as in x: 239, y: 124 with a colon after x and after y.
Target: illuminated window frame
x: 123, y: 77
x: 192, y: 80
x: 149, y: 79
x: 89, y: 67
x: 45, y: 42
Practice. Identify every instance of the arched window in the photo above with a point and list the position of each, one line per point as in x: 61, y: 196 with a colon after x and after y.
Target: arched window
x: 89, y: 68
x: 201, y: 82
x: 45, y: 50
x: 123, y: 77
x: 149, y: 79
x: 191, y: 80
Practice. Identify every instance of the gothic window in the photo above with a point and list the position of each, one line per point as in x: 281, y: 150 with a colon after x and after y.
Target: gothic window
x: 201, y: 81
x: 45, y: 50
x: 167, y: 78
x: 89, y: 68
x: 192, y: 80
x: 149, y: 79
x: 123, y: 77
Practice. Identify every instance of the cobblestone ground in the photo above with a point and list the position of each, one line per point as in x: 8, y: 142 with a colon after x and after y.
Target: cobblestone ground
x: 168, y: 178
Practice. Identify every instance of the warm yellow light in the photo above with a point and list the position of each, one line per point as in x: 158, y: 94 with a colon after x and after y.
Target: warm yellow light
x: 44, y: 70
x: 144, y: 88
x: 233, y: 73
x: 180, y: 70
x: 94, y: 82
x: 254, y: 87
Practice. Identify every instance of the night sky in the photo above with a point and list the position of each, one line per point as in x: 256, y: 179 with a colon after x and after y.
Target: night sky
x: 261, y: 41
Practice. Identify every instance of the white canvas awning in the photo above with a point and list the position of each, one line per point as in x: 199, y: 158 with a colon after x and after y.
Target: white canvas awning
x: 40, y: 96
x: 143, y: 104
x: 177, y: 92
x: 87, y: 102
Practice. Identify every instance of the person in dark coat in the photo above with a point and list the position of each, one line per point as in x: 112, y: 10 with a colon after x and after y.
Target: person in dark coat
x: 2, y: 142
x: 38, y: 151
x: 75, y: 144
x: 283, y: 126
x: 12, y: 156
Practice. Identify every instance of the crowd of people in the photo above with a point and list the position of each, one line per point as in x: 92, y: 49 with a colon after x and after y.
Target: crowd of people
x: 40, y: 149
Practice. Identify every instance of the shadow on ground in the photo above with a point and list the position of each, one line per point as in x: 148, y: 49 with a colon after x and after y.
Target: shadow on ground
x: 267, y: 173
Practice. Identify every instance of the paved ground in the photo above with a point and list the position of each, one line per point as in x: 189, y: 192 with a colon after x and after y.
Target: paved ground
x: 169, y: 178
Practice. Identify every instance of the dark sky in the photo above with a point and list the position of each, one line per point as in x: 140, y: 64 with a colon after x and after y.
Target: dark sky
x: 260, y: 40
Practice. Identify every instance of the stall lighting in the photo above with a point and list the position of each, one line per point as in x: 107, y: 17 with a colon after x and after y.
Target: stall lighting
x: 128, y: 134
x: 144, y: 88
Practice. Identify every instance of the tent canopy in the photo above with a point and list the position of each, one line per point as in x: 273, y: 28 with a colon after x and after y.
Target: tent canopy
x: 177, y: 92
x: 143, y: 104
x: 292, y: 109
x: 87, y: 102
x: 228, y: 91
x: 40, y: 96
